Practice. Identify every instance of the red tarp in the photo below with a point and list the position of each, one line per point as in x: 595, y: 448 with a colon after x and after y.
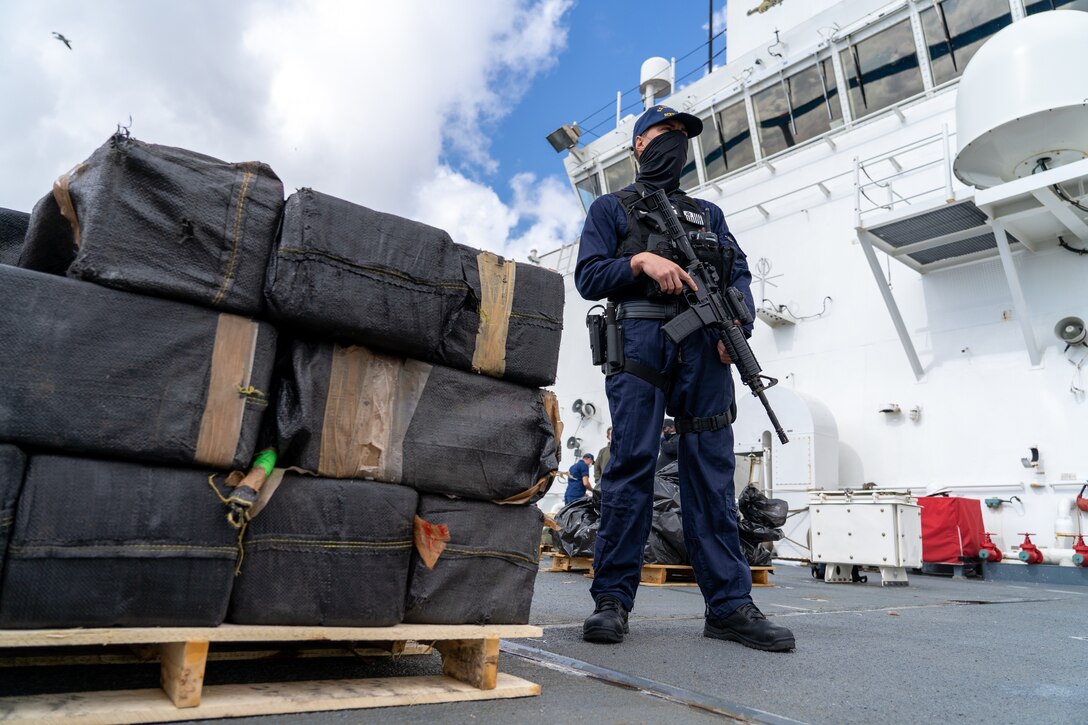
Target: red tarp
x: 951, y: 528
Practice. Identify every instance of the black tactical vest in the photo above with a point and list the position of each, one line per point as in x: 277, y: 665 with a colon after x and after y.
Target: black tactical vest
x: 643, y: 237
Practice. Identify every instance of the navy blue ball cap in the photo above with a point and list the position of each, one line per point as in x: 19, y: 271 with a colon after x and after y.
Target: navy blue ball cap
x: 656, y: 114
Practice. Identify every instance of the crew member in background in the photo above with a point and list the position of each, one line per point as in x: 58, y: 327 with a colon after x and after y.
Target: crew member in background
x: 578, y: 479
x: 602, y: 458
x: 623, y: 258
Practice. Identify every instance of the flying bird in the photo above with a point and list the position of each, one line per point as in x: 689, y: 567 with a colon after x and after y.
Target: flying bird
x: 62, y: 39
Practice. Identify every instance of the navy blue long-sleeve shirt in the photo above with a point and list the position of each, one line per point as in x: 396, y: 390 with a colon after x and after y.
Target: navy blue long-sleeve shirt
x: 599, y: 273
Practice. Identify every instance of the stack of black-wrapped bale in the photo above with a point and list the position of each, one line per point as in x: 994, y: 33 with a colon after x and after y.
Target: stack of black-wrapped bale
x: 132, y: 370
x: 141, y: 365
x: 414, y: 361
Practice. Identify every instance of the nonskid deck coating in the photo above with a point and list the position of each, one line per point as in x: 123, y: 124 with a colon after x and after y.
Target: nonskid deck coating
x: 865, y: 654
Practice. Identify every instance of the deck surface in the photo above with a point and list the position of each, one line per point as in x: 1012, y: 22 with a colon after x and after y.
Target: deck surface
x: 937, y: 650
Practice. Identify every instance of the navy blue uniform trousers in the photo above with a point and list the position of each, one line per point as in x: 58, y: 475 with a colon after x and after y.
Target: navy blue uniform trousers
x: 702, y: 387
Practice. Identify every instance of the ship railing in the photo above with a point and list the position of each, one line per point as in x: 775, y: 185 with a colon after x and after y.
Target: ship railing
x: 876, y: 190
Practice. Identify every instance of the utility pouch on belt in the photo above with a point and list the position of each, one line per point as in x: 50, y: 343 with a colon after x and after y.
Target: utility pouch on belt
x: 605, y: 339
x: 598, y: 343
x: 614, y: 359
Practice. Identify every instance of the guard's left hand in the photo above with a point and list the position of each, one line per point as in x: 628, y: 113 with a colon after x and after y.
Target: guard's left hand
x: 722, y: 354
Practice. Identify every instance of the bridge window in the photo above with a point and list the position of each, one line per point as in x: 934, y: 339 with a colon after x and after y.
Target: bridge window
x: 797, y: 107
x: 619, y: 174
x: 1039, y: 6
x: 589, y: 189
x: 727, y: 141
x: 956, y: 29
x: 882, y: 69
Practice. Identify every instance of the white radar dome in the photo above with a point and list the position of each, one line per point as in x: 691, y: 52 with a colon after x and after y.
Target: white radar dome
x: 1023, y: 100
x: 656, y: 78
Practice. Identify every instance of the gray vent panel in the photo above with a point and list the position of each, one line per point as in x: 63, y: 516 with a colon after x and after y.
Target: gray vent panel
x: 937, y: 223
x: 961, y: 248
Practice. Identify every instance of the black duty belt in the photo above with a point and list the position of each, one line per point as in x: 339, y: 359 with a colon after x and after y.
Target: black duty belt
x: 647, y: 310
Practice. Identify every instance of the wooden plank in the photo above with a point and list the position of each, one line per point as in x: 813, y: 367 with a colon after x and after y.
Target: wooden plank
x: 473, y: 661
x: 181, y: 673
x: 25, y: 657
x: 653, y: 575
x: 221, y: 701
x: 261, y: 633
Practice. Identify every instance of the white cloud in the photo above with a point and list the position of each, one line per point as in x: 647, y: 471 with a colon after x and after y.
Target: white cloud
x: 369, y: 101
x: 719, y: 17
x: 544, y: 213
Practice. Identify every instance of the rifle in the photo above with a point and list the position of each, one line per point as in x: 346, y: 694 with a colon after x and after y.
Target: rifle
x: 708, y: 307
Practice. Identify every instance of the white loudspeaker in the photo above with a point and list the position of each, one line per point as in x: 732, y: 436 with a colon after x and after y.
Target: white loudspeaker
x: 1070, y: 330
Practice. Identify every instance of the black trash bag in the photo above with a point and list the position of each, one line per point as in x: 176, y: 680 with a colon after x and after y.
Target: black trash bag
x: 665, y: 544
x: 754, y: 533
x: 671, y: 473
x: 578, y: 524
x: 13, y: 225
x: 161, y: 221
x: 755, y: 554
x: 762, y: 511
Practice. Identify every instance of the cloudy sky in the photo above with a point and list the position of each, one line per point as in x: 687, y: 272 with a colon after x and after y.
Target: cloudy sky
x: 431, y: 109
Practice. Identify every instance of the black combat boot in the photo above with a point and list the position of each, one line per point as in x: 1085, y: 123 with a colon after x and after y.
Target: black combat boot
x: 748, y: 626
x: 608, y: 623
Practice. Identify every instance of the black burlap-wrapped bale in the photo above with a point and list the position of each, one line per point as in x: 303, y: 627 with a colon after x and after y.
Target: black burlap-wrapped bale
x: 326, y: 552
x: 12, y: 464
x: 487, y: 571
x: 98, y: 371
x: 512, y: 322
x: 13, y: 226
x: 364, y: 276
x: 161, y: 221
x: 112, y: 544
x: 400, y: 286
x: 348, y: 412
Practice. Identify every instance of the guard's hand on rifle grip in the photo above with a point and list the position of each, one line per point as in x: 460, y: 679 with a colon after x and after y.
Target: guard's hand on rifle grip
x: 669, y: 275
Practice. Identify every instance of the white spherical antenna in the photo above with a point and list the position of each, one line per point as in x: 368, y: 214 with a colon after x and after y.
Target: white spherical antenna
x: 1022, y: 104
x: 655, y: 80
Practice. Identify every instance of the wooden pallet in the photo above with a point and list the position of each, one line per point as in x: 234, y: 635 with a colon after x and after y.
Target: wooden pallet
x: 675, y: 575
x: 562, y: 562
x: 470, y: 656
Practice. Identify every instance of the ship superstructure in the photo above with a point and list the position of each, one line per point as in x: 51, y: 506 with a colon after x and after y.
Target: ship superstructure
x: 910, y: 316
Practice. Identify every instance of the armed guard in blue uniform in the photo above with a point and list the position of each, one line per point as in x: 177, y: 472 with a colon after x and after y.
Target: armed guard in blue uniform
x: 623, y: 258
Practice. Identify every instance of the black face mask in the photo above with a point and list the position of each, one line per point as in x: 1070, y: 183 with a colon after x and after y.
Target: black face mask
x: 662, y: 161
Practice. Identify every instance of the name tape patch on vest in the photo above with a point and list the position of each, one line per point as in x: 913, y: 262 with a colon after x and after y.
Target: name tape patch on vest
x: 693, y: 217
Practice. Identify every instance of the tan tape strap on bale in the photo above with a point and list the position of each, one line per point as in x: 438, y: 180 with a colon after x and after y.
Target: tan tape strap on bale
x: 527, y: 495
x: 64, y: 200
x: 551, y: 408
x: 496, y: 300
x: 430, y: 540
x: 232, y: 365
x: 371, y: 401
